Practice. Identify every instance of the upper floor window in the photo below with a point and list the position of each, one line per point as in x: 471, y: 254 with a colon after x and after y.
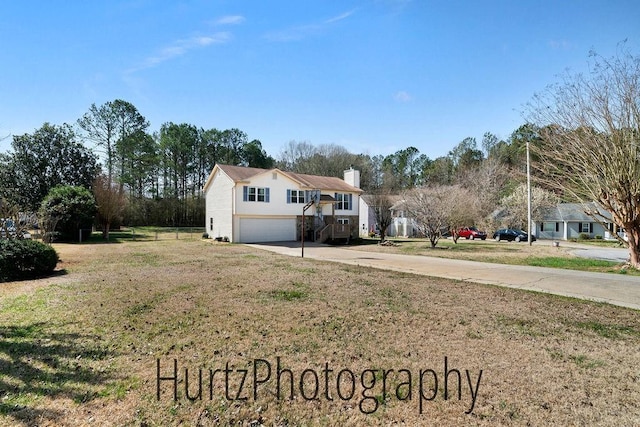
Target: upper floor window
x: 255, y: 194
x: 344, y: 201
x: 295, y: 196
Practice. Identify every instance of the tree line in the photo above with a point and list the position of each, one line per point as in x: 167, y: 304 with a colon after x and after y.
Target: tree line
x: 583, y: 133
x: 158, y: 176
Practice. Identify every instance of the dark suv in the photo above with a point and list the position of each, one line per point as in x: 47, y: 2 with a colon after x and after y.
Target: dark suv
x: 471, y: 233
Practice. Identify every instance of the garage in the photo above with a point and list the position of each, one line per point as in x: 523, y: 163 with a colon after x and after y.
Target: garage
x: 255, y: 230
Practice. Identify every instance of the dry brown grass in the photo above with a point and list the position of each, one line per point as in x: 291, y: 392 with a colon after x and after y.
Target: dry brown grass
x: 83, y: 349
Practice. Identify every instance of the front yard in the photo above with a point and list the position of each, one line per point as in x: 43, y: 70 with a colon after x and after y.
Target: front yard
x: 96, y: 345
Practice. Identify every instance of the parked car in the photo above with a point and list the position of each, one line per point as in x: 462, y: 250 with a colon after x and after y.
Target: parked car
x: 471, y: 233
x: 512, y: 235
x: 8, y: 230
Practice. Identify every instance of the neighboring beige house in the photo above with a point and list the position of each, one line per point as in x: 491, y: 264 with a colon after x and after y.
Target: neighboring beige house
x: 251, y: 205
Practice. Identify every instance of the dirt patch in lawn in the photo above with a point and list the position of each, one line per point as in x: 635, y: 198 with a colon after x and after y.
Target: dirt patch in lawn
x: 359, y: 346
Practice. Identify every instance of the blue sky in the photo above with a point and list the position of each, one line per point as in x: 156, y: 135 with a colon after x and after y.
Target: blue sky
x: 374, y: 76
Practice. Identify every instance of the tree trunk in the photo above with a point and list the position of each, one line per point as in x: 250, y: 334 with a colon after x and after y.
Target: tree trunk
x: 633, y: 236
x: 105, y: 230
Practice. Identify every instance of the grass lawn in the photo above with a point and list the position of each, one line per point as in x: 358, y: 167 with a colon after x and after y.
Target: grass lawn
x: 540, y: 254
x: 359, y: 346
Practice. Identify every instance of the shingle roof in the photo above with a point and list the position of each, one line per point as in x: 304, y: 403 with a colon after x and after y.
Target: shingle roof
x: 573, y: 212
x: 327, y: 183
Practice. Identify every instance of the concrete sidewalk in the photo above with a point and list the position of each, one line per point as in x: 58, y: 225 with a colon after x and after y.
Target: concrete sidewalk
x: 616, y: 289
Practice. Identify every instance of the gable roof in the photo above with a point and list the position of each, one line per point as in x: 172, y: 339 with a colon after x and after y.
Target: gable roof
x: 574, y: 212
x: 314, y: 182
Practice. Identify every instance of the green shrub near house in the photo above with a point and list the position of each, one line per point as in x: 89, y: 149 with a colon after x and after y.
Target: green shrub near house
x: 25, y: 259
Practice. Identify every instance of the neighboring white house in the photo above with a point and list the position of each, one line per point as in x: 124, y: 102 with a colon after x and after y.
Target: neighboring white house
x: 569, y: 220
x: 400, y: 226
x: 250, y: 205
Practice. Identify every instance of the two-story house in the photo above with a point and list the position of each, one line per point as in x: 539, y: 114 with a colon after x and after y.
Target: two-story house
x: 251, y: 205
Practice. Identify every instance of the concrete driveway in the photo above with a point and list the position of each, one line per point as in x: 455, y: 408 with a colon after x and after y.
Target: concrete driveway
x: 595, y: 252
x: 616, y: 289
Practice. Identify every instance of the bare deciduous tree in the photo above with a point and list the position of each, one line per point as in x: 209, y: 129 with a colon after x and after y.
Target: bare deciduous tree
x: 438, y: 208
x: 590, y: 131
x: 381, y: 204
x: 515, y: 206
x: 111, y: 201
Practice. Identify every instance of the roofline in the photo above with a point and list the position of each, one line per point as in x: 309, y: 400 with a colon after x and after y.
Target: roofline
x: 289, y: 175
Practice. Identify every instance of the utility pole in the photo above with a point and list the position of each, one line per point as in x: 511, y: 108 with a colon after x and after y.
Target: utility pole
x: 528, y: 195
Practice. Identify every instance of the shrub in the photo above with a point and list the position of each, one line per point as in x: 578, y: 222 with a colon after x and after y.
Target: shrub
x: 25, y: 259
x: 584, y: 236
x: 68, y: 209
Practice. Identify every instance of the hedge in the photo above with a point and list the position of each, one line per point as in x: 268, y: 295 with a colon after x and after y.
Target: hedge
x: 25, y: 259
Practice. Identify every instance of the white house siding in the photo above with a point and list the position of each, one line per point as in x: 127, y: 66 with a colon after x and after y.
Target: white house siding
x: 366, y: 218
x: 253, y: 221
x: 277, y: 204
x: 219, y: 207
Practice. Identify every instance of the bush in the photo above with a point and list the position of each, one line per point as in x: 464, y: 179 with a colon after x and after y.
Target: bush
x: 584, y: 236
x: 68, y: 209
x: 25, y: 259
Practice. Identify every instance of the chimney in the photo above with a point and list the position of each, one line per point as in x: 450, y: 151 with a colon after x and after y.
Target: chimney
x: 352, y: 177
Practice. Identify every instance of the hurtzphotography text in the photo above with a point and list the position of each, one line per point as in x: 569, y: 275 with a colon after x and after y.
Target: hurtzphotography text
x: 369, y: 388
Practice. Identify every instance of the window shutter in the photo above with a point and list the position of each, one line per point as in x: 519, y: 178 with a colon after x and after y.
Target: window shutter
x: 307, y: 196
x: 266, y: 195
x: 590, y: 227
x: 557, y: 226
x: 351, y: 201
x: 245, y: 193
x: 288, y: 196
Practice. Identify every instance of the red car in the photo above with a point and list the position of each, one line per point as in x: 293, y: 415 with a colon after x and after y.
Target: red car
x: 471, y: 233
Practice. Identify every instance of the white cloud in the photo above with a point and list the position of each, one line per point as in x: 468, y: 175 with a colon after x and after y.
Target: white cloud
x: 230, y: 20
x: 181, y: 47
x: 302, y: 31
x: 339, y: 17
x: 402, y: 96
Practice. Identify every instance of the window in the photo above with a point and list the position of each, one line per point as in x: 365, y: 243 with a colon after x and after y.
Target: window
x: 550, y: 226
x: 295, y: 196
x: 586, y: 227
x: 343, y: 221
x: 255, y: 194
x: 343, y: 201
